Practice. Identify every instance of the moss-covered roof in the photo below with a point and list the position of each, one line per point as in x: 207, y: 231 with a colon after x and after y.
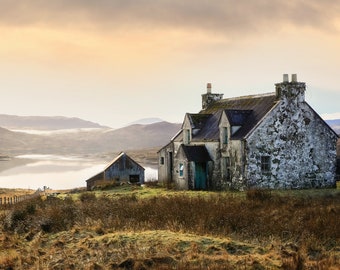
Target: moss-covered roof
x: 198, y: 120
x: 245, y: 111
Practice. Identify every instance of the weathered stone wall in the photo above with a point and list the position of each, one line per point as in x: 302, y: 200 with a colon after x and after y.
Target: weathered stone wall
x: 234, y: 152
x: 214, y: 168
x: 181, y: 182
x: 163, y: 168
x: 301, y: 147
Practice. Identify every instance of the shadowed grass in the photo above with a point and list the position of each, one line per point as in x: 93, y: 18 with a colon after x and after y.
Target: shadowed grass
x: 304, y: 224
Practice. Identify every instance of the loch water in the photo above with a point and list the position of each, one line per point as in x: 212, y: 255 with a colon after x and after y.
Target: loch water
x: 53, y: 171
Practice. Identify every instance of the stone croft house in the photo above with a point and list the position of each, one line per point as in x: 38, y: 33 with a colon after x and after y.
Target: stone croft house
x: 273, y: 140
x: 121, y: 169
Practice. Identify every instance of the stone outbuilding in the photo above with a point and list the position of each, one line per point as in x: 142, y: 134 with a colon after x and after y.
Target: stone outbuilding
x: 273, y: 140
x: 122, y: 169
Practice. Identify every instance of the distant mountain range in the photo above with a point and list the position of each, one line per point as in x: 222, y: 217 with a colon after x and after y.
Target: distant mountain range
x: 146, y: 121
x: 86, y: 137
x: 334, y: 124
x: 44, y: 122
x: 91, y: 141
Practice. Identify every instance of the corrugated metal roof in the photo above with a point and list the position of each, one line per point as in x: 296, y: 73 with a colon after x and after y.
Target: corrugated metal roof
x: 122, y: 154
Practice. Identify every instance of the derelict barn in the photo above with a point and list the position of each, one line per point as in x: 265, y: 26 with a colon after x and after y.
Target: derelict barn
x: 121, y: 169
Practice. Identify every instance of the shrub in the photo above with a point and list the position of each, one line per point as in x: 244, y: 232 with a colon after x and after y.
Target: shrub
x: 87, y: 197
x: 259, y: 194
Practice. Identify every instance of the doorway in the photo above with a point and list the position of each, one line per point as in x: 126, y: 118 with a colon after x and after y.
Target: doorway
x: 200, y: 175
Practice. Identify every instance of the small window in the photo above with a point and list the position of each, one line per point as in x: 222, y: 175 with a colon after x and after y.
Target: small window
x: 225, y: 135
x: 187, y: 136
x: 181, y: 169
x: 227, y: 161
x: 161, y: 161
x: 265, y: 163
x: 228, y: 175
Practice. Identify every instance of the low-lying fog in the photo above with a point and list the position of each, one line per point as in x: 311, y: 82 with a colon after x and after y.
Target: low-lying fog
x: 53, y: 171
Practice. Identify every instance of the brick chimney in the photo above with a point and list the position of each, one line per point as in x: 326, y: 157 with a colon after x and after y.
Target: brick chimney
x: 292, y: 90
x: 209, y: 97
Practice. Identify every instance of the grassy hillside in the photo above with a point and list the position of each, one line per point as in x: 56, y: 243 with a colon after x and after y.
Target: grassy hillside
x: 133, y: 227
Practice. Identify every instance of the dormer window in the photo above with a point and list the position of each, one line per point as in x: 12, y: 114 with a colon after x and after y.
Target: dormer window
x: 225, y: 135
x: 186, y: 136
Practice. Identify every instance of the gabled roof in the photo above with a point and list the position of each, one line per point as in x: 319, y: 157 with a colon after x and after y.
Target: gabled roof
x: 196, y: 153
x: 246, y: 111
x: 198, y: 120
x: 122, y: 154
x: 210, y: 131
x: 238, y: 117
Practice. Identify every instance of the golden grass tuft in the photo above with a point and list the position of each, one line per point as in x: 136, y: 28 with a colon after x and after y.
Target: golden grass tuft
x: 159, y: 229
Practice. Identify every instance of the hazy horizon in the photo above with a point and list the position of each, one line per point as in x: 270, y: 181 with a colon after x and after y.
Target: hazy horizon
x: 114, y: 62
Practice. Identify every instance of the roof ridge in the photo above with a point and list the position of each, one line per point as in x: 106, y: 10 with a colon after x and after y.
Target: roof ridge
x: 250, y: 96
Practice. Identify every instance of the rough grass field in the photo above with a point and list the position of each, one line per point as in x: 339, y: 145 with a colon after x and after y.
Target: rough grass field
x: 133, y: 227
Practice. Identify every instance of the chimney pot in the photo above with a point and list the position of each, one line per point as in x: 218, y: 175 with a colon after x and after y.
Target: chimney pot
x: 294, y: 78
x: 285, y: 78
x: 209, y: 88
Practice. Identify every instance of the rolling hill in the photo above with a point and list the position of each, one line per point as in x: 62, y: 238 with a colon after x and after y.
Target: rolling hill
x: 334, y: 124
x: 96, y: 141
x: 44, y: 122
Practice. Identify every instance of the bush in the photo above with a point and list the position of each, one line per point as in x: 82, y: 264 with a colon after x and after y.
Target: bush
x: 259, y: 194
x: 261, y: 215
x: 87, y: 197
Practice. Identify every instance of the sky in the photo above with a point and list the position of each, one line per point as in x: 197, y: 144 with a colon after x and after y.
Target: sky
x: 115, y: 61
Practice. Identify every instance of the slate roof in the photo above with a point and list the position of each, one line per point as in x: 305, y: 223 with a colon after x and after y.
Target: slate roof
x: 246, y: 111
x: 238, y: 117
x: 196, y: 153
x: 210, y: 131
x: 198, y: 120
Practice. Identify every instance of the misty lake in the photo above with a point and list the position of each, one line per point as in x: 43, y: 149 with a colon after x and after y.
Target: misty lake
x: 53, y: 171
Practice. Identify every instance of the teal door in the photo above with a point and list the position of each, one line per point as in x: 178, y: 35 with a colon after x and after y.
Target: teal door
x: 200, y: 175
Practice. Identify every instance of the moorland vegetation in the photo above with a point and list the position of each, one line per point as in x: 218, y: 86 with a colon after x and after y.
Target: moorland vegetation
x: 132, y: 227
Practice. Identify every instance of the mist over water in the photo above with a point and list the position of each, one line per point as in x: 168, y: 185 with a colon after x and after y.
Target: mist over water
x: 55, y: 172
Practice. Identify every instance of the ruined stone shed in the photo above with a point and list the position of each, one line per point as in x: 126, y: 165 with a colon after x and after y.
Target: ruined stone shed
x: 273, y: 140
x: 121, y: 169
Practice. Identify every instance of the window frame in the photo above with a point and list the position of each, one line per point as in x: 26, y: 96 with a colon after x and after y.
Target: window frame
x: 162, y: 161
x: 265, y: 164
x: 181, y: 169
x: 187, y: 136
x: 224, y: 133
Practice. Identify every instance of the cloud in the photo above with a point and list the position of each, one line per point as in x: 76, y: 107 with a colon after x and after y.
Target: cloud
x: 331, y: 116
x: 225, y: 16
